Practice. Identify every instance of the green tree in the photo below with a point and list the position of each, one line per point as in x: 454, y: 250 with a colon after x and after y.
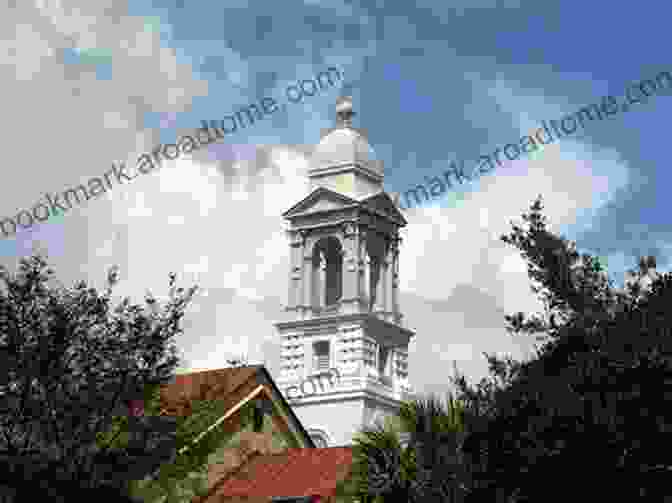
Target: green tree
x: 587, y: 414
x: 413, y: 457
x: 72, y: 363
x: 437, y: 433
x: 382, y: 470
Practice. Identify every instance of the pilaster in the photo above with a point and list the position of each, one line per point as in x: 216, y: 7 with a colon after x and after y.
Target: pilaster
x: 295, y: 299
x: 351, y: 268
x: 395, y: 281
x: 308, y: 273
x: 389, y: 283
x: 380, y: 287
x: 363, y: 271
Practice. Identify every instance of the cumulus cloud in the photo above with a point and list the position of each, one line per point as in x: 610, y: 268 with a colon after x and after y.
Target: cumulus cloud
x: 461, y: 242
x: 216, y: 219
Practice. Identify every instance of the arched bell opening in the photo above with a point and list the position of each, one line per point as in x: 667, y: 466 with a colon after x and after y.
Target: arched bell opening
x: 376, y: 250
x: 327, y: 272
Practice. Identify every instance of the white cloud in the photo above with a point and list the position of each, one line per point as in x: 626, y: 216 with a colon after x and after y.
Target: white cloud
x: 214, y: 229
x: 461, y: 243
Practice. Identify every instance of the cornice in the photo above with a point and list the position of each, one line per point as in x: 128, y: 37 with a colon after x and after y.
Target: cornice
x: 346, y: 396
x: 365, y: 319
x: 361, y: 168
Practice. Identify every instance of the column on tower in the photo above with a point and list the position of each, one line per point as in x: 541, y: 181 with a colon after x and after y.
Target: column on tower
x: 395, y: 282
x: 350, y: 272
x: 365, y: 268
x: 381, y: 287
x: 368, y: 292
x: 294, y: 299
x: 321, y: 280
x: 307, y: 277
x: 389, y: 282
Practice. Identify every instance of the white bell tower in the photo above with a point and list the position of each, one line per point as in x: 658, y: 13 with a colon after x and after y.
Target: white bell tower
x: 345, y: 355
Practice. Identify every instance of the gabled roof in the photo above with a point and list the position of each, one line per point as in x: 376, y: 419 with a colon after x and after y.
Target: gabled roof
x: 325, y: 199
x: 292, y: 473
x: 382, y: 201
x: 231, y: 385
x: 204, y: 385
x: 320, y: 193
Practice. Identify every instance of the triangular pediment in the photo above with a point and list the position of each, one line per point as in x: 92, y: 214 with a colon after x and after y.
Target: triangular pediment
x: 320, y: 199
x: 324, y: 199
x: 383, y: 203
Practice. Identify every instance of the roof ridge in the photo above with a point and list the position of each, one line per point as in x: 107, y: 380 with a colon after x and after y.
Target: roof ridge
x: 212, y: 387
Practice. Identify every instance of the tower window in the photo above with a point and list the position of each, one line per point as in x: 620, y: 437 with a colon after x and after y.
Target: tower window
x: 321, y: 352
x: 328, y: 270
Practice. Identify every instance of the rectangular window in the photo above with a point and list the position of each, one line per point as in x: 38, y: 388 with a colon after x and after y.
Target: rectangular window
x: 321, y: 355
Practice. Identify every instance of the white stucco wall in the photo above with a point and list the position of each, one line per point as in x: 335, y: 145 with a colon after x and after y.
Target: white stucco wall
x: 339, y: 420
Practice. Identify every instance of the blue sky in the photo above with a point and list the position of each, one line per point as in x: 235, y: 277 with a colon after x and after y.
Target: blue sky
x: 89, y: 83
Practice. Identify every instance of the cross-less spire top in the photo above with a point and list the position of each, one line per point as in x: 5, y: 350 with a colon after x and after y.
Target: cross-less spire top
x: 344, y: 111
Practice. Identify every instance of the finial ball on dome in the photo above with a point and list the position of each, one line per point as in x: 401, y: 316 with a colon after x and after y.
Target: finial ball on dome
x: 344, y: 111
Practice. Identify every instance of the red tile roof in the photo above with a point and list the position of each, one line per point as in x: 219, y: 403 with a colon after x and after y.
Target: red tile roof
x: 204, y: 385
x: 294, y: 472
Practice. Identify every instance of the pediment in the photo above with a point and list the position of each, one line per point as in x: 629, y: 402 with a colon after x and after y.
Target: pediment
x: 320, y: 199
x: 383, y: 203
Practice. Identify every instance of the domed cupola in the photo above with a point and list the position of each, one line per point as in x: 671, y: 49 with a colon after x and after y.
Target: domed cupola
x: 343, y: 160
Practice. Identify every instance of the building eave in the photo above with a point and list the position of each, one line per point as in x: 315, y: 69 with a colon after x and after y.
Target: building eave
x: 369, y: 319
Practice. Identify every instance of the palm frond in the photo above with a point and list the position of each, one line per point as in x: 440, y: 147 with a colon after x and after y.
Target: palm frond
x: 428, y: 468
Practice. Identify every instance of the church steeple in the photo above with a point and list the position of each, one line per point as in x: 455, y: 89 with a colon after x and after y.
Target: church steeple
x: 343, y: 291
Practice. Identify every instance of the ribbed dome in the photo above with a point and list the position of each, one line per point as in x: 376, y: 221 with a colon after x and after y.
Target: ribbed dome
x: 343, y: 146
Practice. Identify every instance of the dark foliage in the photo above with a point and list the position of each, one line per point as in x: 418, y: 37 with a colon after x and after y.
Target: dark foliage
x: 589, y: 416
x: 425, y: 467
x: 71, y: 365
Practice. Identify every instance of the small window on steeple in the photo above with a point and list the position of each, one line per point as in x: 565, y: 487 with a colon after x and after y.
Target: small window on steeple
x: 321, y: 355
